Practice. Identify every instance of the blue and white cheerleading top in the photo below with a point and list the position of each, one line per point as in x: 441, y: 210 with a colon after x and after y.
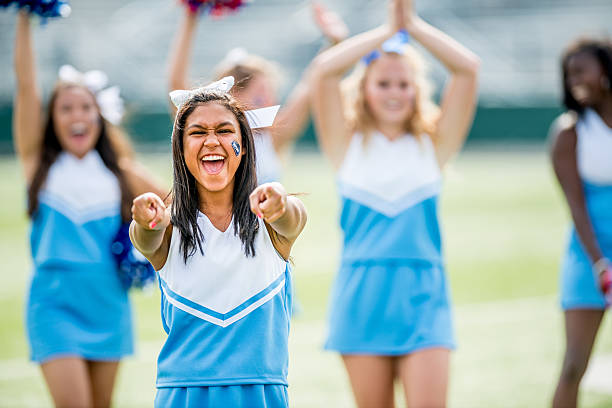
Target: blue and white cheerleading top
x: 389, y: 191
x: 579, y: 288
x: 594, y: 149
x: 227, y: 315
x: 76, y: 303
x: 78, y: 215
x: 268, y: 165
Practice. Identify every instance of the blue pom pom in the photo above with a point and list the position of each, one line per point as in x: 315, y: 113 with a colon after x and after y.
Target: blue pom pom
x: 43, y: 8
x: 134, y: 269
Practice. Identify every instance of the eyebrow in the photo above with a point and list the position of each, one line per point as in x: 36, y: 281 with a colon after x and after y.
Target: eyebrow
x: 217, y: 126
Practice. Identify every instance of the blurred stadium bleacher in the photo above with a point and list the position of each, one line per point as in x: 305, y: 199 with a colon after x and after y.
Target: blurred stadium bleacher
x: 519, y: 42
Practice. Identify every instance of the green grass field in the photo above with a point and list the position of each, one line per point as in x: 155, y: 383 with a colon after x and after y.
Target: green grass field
x: 504, y: 228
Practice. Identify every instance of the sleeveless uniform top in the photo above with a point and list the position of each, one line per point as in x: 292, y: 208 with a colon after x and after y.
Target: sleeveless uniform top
x: 389, y: 193
x: 579, y: 288
x: 78, y: 215
x: 226, y: 315
x: 594, y: 149
x: 267, y: 164
x: 391, y: 295
x: 75, y: 275
x: 594, y: 160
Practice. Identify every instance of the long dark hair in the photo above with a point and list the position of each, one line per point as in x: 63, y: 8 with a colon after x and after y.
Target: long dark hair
x: 185, y: 198
x: 111, y: 145
x: 601, y: 50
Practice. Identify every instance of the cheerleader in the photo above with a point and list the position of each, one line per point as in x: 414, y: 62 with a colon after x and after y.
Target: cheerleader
x: 390, y: 309
x: 581, y: 152
x: 256, y: 86
x: 221, y: 251
x: 81, y: 181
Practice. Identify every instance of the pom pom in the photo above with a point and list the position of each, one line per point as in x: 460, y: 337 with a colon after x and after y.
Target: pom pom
x: 43, y: 8
x: 605, y: 284
x: 216, y: 8
x: 134, y: 269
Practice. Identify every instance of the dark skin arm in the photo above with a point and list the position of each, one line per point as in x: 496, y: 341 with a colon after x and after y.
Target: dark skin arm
x: 563, y: 152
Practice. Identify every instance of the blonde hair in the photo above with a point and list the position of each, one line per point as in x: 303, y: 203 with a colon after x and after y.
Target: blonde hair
x: 244, y: 67
x: 425, y: 114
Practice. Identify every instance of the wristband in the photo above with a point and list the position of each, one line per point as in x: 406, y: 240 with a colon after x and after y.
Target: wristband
x: 600, y: 266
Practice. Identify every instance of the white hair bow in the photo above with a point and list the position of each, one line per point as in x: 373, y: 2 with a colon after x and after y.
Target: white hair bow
x: 109, y: 101
x: 257, y: 118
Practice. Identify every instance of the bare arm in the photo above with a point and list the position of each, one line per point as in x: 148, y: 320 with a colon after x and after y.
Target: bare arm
x: 27, y: 132
x: 563, y: 152
x: 284, y: 215
x: 180, y: 54
x: 293, y: 117
x: 327, y: 106
x: 140, y: 180
x: 460, y: 93
x: 150, y: 230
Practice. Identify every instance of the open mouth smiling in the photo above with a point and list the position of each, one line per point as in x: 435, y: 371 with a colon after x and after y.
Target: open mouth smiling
x: 213, y: 163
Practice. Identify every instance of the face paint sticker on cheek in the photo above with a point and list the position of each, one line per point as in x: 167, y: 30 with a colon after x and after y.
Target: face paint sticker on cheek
x: 236, y: 147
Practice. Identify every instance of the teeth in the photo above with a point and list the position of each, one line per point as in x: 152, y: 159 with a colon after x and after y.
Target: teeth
x: 580, y: 91
x: 78, y: 128
x: 212, y: 157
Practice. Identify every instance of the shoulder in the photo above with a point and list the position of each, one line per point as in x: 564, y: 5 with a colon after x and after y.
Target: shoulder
x: 563, y: 127
x: 562, y: 134
x: 562, y: 142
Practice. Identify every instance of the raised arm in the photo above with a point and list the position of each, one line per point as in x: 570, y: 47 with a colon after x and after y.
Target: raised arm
x: 140, y: 179
x: 150, y: 230
x: 327, y: 106
x: 180, y: 54
x: 333, y: 130
x: 460, y: 93
x: 293, y: 116
x: 27, y: 131
x: 285, y: 216
x: 563, y: 153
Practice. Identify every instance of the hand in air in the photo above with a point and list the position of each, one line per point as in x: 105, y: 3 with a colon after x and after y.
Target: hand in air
x: 401, y: 14
x: 269, y: 201
x: 150, y: 212
x: 330, y: 23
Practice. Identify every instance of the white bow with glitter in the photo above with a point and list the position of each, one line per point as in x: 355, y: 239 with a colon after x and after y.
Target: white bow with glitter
x: 257, y: 118
x: 109, y: 101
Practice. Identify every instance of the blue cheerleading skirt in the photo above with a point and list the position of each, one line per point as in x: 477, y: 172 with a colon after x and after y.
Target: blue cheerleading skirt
x: 235, y: 396
x: 579, y: 286
x: 390, y: 308
x: 78, y: 311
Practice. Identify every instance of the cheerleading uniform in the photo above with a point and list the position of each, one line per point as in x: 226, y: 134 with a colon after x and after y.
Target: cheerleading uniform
x: 76, y: 304
x: 227, y: 319
x: 267, y: 164
x: 579, y: 287
x: 391, y: 295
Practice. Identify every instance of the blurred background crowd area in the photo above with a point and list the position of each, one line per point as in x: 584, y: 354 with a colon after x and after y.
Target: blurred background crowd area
x: 519, y: 42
